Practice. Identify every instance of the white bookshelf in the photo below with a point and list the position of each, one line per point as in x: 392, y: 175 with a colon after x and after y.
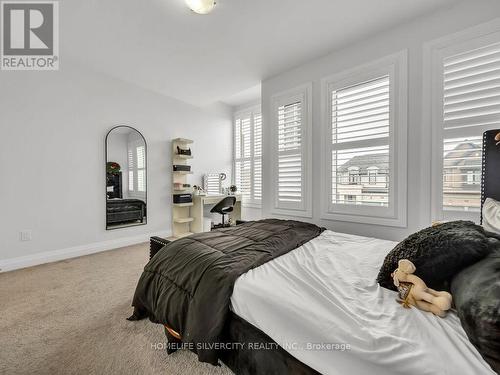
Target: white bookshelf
x: 181, y: 212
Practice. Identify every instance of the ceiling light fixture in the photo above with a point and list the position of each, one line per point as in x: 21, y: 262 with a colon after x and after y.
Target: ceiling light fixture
x: 201, y: 6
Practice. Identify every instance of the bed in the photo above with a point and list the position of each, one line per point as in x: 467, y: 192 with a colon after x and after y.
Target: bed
x: 325, y: 292
x: 283, y: 297
x: 120, y: 211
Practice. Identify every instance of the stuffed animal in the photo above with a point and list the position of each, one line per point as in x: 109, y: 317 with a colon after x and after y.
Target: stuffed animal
x: 413, y: 291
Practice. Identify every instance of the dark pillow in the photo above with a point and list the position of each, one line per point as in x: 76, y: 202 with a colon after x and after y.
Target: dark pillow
x: 476, y: 292
x: 439, y: 253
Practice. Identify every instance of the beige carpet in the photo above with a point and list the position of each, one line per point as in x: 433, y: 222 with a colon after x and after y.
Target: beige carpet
x: 69, y: 318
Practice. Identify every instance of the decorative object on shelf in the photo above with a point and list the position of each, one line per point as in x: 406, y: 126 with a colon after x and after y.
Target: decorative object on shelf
x: 198, y: 190
x: 113, y: 167
x: 181, y: 168
x: 182, y: 198
x: 201, y: 6
x: 181, y: 186
x: 181, y: 151
x: 233, y: 189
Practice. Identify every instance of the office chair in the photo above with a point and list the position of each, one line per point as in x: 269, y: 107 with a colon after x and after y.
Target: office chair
x: 224, y: 207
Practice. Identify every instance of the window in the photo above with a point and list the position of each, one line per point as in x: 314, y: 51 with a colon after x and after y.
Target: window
x: 136, y: 169
x: 353, y: 173
x: 465, y: 103
x: 360, y: 112
x: 291, y: 152
x: 365, y: 135
x: 248, y: 156
x: 372, y: 176
x: 141, y: 168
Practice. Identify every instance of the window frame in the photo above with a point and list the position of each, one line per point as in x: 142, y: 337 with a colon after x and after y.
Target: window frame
x: 303, y: 94
x: 136, y: 193
x: 434, y: 54
x: 250, y: 112
x: 396, y: 66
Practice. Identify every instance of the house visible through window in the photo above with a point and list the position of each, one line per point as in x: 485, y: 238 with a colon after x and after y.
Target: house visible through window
x: 471, y: 98
x: 350, y: 198
x: 248, y: 156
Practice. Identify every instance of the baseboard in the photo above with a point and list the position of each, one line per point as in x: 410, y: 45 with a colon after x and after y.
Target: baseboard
x: 73, y: 252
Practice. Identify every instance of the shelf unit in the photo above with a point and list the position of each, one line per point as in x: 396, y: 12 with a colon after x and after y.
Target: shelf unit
x: 183, y: 172
x: 181, y: 212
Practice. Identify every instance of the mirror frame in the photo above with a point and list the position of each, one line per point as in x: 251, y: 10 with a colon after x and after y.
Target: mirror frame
x: 105, y: 177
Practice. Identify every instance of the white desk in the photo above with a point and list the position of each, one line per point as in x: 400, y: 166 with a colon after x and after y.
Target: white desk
x: 199, y: 203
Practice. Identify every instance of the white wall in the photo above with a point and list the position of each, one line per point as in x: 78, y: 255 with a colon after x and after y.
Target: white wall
x: 52, y: 162
x: 409, y: 36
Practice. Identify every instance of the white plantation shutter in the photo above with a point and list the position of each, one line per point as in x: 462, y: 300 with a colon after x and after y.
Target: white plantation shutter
x: 471, y: 105
x: 131, y: 168
x: 141, y: 168
x: 361, y: 113
x: 136, y: 169
x: 248, y: 156
x: 290, y: 153
x: 257, y: 159
x: 141, y: 160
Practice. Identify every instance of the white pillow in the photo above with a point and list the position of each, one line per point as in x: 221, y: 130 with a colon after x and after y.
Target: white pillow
x: 491, y: 215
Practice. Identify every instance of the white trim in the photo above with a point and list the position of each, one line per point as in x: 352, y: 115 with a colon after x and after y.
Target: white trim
x: 396, y: 65
x: 431, y: 188
x: 304, y: 94
x: 73, y: 252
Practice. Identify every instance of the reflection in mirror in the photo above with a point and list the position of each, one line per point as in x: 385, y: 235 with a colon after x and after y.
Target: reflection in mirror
x: 126, y: 189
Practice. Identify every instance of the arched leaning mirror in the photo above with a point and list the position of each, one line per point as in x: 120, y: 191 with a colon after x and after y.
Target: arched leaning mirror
x: 126, y: 178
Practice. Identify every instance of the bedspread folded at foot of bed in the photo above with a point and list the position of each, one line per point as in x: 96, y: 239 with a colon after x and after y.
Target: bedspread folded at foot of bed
x: 188, y: 284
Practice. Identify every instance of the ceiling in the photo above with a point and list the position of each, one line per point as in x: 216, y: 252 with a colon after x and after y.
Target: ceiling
x: 162, y: 46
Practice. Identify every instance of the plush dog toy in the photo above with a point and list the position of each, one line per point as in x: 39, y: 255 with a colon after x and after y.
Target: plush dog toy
x: 413, y: 291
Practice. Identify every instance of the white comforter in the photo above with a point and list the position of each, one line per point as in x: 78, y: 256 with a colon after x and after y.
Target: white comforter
x: 325, y: 293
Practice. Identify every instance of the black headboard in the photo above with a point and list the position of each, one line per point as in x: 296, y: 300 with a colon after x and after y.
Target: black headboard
x: 490, y: 180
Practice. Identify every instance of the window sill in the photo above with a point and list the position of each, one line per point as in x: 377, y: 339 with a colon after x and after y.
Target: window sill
x: 292, y: 213
x: 360, y: 219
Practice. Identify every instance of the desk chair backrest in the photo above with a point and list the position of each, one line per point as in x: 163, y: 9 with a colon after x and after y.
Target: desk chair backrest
x: 225, y: 206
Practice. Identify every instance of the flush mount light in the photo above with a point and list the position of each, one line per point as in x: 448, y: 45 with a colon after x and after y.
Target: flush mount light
x: 201, y: 6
